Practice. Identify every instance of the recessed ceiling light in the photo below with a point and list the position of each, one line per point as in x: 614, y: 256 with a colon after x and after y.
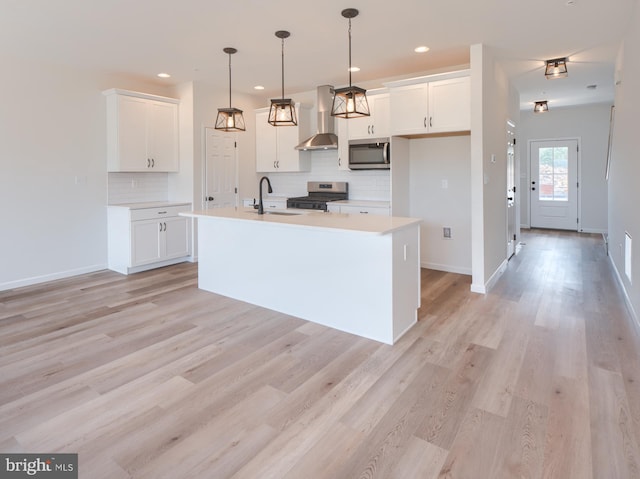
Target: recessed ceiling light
x: 258, y: 87
x: 421, y: 49
x: 353, y: 69
x: 164, y: 75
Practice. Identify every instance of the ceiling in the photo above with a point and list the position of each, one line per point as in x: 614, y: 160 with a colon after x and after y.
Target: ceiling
x: 185, y: 38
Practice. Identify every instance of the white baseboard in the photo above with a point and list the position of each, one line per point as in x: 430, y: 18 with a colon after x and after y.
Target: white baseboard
x: 594, y: 230
x: 627, y: 300
x: 51, y: 277
x: 446, y: 267
x: 485, y: 288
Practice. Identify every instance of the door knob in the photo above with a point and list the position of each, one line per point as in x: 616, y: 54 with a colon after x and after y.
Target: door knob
x: 533, y: 189
x: 510, y: 198
x: 209, y: 198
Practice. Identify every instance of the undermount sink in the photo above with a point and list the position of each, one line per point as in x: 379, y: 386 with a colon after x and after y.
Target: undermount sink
x: 282, y: 213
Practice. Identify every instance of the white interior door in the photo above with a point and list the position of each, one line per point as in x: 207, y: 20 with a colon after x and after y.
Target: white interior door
x: 221, y: 169
x: 511, y: 191
x: 554, y: 184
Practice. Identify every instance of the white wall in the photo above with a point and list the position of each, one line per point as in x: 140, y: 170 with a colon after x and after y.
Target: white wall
x: 434, y: 161
x: 590, y: 124
x: 624, y: 194
x: 53, y: 181
x: 493, y: 103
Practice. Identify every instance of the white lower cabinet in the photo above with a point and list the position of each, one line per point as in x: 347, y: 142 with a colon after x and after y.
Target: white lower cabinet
x: 362, y: 208
x: 142, y: 238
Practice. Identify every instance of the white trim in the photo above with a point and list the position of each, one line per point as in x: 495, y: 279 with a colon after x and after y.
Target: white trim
x: 428, y: 78
x: 138, y: 94
x: 446, y: 267
x: 485, y: 288
x: 51, y: 277
x: 594, y: 230
x: 627, y: 300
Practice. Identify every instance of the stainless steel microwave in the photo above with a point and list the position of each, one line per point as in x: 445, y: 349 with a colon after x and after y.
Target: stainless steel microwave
x: 369, y: 154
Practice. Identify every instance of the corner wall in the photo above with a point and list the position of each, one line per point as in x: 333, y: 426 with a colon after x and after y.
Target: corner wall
x: 493, y: 102
x: 624, y: 194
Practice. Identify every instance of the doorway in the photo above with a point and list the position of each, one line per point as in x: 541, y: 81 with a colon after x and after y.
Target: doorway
x: 554, y: 184
x: 221, y: 169
x: 511, y: 189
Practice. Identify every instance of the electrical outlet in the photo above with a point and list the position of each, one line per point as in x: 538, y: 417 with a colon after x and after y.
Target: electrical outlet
x: 446, y: 232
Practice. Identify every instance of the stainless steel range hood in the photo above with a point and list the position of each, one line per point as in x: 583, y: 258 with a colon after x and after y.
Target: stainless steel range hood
x: 326, y: 138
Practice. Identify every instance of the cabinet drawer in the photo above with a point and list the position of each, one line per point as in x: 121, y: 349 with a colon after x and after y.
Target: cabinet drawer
x: 155, y: 213
x: 364, y: 210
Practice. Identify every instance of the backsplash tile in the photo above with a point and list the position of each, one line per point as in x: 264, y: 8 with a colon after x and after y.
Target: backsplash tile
x: 363, y: 185
x: 137, y: 187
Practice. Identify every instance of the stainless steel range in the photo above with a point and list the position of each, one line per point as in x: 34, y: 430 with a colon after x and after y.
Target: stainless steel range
x: 320, y: 193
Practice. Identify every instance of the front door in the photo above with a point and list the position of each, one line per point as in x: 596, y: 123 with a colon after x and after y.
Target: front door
x: 554, y: 184
x: 221, y: 179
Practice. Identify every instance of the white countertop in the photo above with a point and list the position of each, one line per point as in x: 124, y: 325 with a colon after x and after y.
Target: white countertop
x: 149, y: 204
x: 372, y: 224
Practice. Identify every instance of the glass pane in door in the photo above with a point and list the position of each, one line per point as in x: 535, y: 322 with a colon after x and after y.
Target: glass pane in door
x: 554, y: 174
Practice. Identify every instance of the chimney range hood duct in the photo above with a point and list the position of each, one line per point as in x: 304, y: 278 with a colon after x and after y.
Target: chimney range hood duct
x: 325, y: 139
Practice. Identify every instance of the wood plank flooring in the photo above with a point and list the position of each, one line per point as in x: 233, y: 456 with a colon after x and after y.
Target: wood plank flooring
x: 145, y: 376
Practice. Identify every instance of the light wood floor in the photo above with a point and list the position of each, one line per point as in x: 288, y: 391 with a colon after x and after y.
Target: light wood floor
x: 148, y: 377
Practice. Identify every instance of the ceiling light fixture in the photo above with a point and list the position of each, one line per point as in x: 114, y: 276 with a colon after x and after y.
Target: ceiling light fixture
x: 541, y: 107
x: 164, y: 75
x: 351, y: 101
x: 556, y: 68
x: 258, y: 87
x: 230, y: 119
x: 282, y: 111
x: 421, y: 49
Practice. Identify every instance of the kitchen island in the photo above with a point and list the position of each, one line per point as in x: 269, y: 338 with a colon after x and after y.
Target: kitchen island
x: 356, y: 273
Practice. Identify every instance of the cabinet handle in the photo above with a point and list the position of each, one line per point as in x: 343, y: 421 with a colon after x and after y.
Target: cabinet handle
x: 153, y: 163
x: 165, y: 226
x: 430, y: 121
x: 162, y: 212
x: 372, y: 130
x: 368, y: 129
x: 148, y: 163
x: 364, y: 212
x: 160, y: 224
x: 425, y: 122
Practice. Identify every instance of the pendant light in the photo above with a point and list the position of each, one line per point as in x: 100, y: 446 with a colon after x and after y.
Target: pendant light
x: 230, y: 119
x: 351, y: 101
x: 282, y: 111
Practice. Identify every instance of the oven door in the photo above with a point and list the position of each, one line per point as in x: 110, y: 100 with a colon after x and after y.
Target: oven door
x: 369, y: 154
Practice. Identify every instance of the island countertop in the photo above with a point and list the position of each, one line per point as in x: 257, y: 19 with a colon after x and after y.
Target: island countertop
x: 371, y: 224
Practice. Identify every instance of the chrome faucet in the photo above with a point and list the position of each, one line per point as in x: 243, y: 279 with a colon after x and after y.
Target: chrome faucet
x: 260, y: 206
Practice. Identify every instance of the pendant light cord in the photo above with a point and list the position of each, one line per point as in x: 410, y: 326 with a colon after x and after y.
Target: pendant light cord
x: 349, y: 52
x: 229, y: 80
x: 283, y: 68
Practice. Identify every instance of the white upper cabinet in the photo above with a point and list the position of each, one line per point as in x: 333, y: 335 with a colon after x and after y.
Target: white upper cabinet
x: 142, y: 132
x: 431, y: 107
x: 377, y: 125
x: 275, y: 145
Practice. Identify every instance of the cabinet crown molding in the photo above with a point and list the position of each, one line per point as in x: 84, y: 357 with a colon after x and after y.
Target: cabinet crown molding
x: 146, y: 96
x: 429, y: 78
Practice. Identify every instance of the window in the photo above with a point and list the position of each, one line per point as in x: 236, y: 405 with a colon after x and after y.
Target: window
x: 554, y: 174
